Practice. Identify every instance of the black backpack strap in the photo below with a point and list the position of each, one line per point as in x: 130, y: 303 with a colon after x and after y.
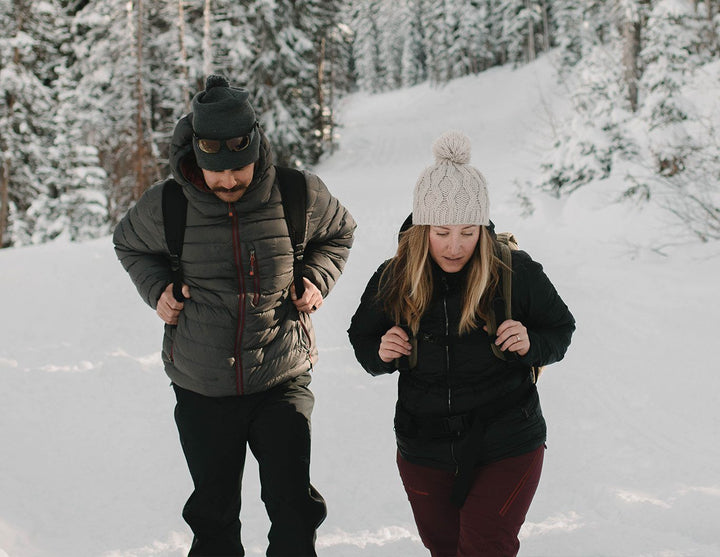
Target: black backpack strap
x: 293, y: 191
x: 174, y: 208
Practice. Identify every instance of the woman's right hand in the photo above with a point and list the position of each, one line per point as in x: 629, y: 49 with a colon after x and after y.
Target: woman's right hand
x: 394, y: 344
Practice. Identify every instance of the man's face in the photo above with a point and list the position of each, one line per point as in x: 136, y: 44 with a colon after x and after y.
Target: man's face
x: 229, y: 185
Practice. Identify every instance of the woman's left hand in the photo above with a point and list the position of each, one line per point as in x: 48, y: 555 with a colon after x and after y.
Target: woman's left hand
x: 513, y: 336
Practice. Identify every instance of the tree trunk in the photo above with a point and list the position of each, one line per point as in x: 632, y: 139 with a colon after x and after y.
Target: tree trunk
x: 207, y: 42
x: 546, y: 28
x: 320, y: 91
x: 4, y: 198
x: 183, y: 56
x: 142, y: 163
x: 530, y: 53
x: 631, y: 48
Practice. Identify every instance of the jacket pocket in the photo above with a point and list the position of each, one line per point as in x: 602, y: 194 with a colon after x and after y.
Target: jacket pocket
x: 169, y: 343
x: 304, y: 332
x: 254, y: 278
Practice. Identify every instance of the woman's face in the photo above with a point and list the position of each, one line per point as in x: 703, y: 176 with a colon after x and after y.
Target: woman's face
x: 452, y: 246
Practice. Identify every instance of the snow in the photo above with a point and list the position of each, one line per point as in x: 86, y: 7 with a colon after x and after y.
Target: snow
x: 91, y: 465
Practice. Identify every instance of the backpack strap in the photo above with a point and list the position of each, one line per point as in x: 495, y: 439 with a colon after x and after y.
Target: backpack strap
x: 174, y: 208
x: 293, y: 191
x: 501, y: 308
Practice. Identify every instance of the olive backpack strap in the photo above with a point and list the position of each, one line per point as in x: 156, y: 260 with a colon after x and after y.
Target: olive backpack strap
x: 501, y: 308
x: 174, y: 208
x: 293, y: 191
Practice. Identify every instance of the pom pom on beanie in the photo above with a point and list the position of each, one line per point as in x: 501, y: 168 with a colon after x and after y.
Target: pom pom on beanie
x: 451, y: 191
x: 452, y: 147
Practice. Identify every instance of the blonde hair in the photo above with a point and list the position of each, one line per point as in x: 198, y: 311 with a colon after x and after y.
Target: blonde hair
x: 406, y: 284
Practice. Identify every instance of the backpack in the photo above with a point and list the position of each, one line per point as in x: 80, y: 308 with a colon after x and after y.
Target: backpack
x: 293, y: 192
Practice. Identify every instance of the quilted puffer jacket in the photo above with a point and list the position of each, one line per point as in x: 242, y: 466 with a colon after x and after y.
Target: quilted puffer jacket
x: 239, y: 332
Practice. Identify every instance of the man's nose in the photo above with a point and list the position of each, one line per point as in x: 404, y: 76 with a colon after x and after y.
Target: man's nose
x: 227, y: 180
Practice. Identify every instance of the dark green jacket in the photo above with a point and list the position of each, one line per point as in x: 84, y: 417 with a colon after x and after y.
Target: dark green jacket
x: 239, y: 333
x: 456, y: 375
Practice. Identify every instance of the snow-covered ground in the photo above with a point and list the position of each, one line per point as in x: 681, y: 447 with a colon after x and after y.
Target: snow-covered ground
x: 90, y: 463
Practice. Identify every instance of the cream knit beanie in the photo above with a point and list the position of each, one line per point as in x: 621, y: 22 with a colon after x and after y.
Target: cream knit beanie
x: 451, y: 191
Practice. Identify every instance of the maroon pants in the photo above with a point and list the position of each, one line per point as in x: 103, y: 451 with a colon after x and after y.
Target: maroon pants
x: 488, y: 523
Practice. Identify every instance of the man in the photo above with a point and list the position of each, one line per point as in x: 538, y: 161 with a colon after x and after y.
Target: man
x: 240, y: 347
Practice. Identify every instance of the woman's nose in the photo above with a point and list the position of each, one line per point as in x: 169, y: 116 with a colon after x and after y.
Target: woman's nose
x: 454, y: 246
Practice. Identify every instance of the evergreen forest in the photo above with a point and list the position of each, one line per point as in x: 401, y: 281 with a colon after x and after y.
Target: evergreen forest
x: 91, y: 90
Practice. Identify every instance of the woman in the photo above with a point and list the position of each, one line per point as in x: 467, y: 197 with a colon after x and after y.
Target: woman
x: 469, y: 429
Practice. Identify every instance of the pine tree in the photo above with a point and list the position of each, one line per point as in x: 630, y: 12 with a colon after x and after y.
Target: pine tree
x: 414, y: 56
x: 77, y: 207
x: 522, y: 26
x: 438, y: 41
x: 472, y: 38
x: 672, y: 52
x: 28, y: 55
x: 366, y: 50
x: 110, y: 112
x: 568, y: 17
x: 390, y: 46
x: 281, y: 74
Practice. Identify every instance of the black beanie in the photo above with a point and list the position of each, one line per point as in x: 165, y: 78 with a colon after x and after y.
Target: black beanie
x: 223, y: 112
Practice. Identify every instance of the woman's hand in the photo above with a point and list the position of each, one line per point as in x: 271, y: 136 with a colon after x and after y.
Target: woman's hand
x: 394, y: 344
x: 513, y: 336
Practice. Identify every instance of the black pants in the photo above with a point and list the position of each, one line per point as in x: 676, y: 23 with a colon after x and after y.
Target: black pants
x: 214, y: 433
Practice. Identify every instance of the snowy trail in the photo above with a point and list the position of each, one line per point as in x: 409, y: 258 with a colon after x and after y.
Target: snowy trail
x: 91, y: 465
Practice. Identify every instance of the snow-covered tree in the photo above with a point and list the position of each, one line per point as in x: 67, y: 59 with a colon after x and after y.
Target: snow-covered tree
x: 390, y: 46
x: 28, y: 55
x: 596, y: 134
x: 522, y: 29
x: 281, y: 73
x: 471, y: 43
x: 414, y: 56
x: 110, y: 101
x: 364, y: 20
x: 683, y: 132
x: 672, y: 52
x: 75, y: 204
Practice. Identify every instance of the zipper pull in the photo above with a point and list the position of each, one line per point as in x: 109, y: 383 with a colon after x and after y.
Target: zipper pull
x: 252, y: 262
x: 231, y: 213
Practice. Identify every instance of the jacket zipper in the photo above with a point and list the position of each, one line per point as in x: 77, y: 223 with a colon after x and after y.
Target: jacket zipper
x: 447, y: 368
x: 237, y: 255
x: 255, y: 276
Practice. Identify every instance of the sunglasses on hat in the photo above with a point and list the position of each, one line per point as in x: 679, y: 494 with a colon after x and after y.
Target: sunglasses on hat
x: 234, y: 144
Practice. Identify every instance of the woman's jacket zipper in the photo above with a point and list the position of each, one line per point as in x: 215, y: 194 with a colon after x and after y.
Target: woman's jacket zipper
x: 447, y: 368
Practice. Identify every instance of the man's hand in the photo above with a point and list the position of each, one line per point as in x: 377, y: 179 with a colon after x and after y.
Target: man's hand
x: 311, y: 299
x: 168, y: 308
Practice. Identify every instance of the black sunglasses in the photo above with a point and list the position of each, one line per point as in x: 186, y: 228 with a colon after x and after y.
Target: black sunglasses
x: 234, y: 144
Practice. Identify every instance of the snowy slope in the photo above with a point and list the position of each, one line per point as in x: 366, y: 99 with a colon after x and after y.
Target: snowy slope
x: 91, y: 466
